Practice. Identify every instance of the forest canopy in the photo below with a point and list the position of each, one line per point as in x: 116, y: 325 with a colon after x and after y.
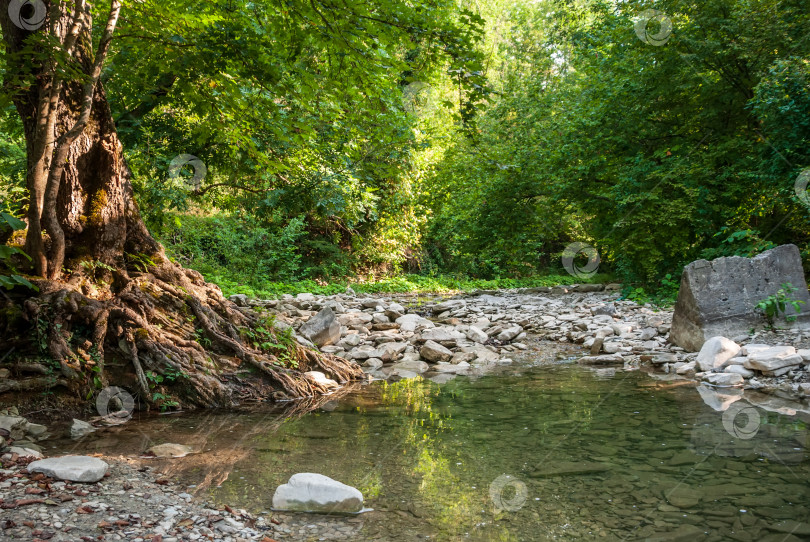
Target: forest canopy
x: 282, y: 141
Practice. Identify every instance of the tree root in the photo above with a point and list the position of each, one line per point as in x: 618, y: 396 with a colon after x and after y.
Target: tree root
x: 177, y: 334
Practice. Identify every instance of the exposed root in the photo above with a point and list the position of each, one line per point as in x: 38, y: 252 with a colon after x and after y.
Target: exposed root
x: 177, y: 335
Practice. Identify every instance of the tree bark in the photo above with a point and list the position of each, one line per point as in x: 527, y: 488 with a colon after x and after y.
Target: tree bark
x: 109, y: 291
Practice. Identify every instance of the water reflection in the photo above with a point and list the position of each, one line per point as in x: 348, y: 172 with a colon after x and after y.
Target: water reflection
x: 590, y: 454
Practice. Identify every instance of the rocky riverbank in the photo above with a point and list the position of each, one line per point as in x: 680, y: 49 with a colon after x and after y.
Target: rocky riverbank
x: 401, y: 337
x: 397, y: 337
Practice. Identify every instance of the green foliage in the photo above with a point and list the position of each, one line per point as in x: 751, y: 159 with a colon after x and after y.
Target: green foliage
x: 397, y: 284
x: 544, y: 123
x: 774, y: 305
x: 12, y: 278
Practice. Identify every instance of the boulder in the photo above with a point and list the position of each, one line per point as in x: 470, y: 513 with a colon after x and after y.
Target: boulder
x: 718, y: 297
x: 449, y: 306
x: 476, y: 335
x: 773, y: 359
x: 310, y: 492
x: 241, y: 300
x: 433, y: 351
x: 80, y: 429
x: 74, y: 468
x: 715, y: 352
x: 322, y: 329
x: 410, y: 322
x: 373, y: 363
x: 608, y: 309
x: 509, y: 333
x: 14, y: 425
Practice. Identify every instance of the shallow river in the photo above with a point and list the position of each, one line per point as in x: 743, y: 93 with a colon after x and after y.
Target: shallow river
x: 542, y: 451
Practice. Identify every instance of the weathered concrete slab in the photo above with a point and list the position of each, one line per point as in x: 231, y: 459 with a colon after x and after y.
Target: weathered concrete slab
x: 719, y: 297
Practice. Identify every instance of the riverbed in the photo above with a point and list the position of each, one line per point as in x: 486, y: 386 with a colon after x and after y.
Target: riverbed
x: 543, y: 449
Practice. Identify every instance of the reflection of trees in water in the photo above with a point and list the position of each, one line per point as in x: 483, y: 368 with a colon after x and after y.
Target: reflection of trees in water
x: 223, y: 439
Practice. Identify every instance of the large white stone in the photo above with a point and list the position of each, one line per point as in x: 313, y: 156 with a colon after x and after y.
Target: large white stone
x: 75, y: 468
x: 773, y: 359
x: 310, y: 492
x: 715, y: 352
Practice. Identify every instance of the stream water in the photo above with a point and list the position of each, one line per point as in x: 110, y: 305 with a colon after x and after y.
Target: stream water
x: 541, y: 451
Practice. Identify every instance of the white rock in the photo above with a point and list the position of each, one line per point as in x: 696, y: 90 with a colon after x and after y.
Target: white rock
x: 433, y: 351
x: 622, y: 329
x: 310, y: 492
x: 476, y: 335
x: 740, y: 370
x: 686, y: 368
x: 509, y: 333
x: 320, y: 378
x: 373, y: 363
x: 15, y: 425
x: 412, y: 322
x: 449, y: 368
x: 80, y: 428
x: 723, y: 379
x: 715, y: 352
x: 75, y: 468
x: 25, y: 452
x: 449, y: 306
x: 749, y: 349
x: 323, y: 328
x: 350, y: 340
x: 170, y: 449
x: 773, y: 359
x: 442, y: 334
x: 604, y: 332
x: 416, y: 366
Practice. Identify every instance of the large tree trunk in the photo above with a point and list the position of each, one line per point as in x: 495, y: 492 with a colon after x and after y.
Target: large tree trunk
x: 109, y: 291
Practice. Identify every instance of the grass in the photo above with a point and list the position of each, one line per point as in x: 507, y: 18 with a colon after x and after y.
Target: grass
x: 398, y: 284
